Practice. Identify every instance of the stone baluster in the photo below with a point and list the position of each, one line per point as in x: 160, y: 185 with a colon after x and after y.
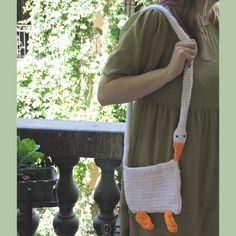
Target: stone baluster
x: 66, y: 223
x: 23, y: 228
x: 27, y: 219
x: 106, y: 196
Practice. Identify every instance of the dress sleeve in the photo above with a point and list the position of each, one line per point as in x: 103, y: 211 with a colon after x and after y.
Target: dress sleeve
x: 141, y: 45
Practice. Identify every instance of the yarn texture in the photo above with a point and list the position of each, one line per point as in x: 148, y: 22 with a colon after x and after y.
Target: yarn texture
x: 157, y: 188
x: 153, y: 188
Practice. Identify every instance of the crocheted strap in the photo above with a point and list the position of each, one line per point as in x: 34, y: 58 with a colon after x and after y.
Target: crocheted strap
x: 180, y: 135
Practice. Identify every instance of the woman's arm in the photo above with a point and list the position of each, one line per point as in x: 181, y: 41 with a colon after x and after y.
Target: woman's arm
x: 129, y: 88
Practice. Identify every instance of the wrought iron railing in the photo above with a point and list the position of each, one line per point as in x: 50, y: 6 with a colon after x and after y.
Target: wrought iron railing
x: 129, y: 7
x: 22, y: 38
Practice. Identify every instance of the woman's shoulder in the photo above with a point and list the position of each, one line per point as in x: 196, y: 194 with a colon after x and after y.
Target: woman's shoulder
x: 152, y: 13
x: 150, y: 17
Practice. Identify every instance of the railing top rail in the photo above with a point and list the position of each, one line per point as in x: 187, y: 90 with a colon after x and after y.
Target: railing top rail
x: 23, y: 28
x: 68, y: 125
x: 64, y: 139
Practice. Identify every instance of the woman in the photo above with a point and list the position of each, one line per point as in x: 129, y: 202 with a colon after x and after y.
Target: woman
x: 147, y: 68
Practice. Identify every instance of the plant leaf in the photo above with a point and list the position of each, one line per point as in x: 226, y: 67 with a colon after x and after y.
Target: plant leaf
x: 29, y: 144
x: 37, y: 155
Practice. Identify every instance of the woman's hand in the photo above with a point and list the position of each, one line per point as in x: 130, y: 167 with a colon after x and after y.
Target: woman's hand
x: 183, y: 54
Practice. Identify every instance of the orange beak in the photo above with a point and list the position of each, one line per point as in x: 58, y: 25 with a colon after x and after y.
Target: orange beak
x: 178, y: 149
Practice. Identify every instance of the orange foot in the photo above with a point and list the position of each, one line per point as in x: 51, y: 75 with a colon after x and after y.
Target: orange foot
x: 170, y: 222
x: 144, y: 220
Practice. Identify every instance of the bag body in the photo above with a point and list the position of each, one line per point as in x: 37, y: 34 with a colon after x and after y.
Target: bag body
x: 153, y: 188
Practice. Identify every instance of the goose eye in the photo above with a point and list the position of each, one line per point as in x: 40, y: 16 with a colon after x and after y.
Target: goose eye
x: 177, y: 136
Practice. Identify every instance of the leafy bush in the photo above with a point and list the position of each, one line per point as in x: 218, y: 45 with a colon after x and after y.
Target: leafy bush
x: 59, y: 76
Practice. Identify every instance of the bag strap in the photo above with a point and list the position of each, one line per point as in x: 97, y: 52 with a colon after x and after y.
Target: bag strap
x: 180, y: 135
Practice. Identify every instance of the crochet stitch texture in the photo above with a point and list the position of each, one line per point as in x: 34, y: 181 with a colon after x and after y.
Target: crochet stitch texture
x: 156, y: 188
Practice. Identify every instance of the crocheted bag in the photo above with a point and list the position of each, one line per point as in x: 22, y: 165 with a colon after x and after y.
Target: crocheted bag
x: 156, y: 188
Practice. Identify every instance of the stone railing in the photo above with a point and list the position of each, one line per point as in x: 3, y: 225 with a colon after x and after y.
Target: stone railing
x: 65, y: 142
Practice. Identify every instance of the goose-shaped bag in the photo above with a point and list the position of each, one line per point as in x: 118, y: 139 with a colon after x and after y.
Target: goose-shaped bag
x: 156, y: 188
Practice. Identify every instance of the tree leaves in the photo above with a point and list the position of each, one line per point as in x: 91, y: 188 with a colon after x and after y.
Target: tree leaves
x: 59, y: 76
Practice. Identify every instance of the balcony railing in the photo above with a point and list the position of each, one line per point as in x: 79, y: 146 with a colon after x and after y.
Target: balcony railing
x: 22, y: 37
x: 129, y: 7
x: 65, y: 142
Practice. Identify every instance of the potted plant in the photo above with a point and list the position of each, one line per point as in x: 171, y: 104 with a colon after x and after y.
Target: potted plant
x: 31, y: 173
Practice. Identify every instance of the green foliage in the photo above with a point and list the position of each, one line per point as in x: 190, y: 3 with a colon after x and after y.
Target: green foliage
x: 59, y: 76
x: 27, y: 8
x: 147, y: 2
x: 45, y: 227
x: 27, y: 153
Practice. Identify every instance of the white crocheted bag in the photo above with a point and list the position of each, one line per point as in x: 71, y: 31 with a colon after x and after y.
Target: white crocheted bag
x: 156, y: 188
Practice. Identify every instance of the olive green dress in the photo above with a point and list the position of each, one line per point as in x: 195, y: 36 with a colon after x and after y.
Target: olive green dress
x: 146, y: 43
